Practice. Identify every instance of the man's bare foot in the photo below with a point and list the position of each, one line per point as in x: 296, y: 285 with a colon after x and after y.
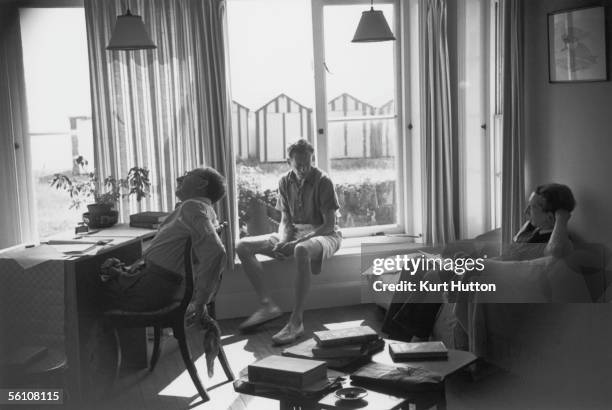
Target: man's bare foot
x: 288, y: 334
x: 269, y: 311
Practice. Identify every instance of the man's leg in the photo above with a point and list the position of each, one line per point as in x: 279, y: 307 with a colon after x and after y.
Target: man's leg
x: 304, y: 253
x: 247, y: 249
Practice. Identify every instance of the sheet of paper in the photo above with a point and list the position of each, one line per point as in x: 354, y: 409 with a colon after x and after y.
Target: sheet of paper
x: 30, y: 257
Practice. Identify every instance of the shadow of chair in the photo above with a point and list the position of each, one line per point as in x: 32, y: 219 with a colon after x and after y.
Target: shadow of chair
x: 172, y: 316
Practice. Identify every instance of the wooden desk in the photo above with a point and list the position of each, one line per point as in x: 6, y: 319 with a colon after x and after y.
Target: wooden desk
x: 74, y: 297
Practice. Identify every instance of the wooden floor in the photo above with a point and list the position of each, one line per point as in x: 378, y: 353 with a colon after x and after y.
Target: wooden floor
x: 169, y: 386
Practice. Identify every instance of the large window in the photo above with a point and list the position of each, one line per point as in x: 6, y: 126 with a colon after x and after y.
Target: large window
x: 59, y: 110
x: 278, y: 50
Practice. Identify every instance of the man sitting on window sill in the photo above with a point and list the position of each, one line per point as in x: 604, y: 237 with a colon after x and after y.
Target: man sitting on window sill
x: 308, y: 231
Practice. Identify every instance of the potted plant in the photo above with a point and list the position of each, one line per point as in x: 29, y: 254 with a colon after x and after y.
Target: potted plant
x: 101, y: 196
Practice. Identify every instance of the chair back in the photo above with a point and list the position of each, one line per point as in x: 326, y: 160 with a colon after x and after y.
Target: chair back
x: 188, y: 276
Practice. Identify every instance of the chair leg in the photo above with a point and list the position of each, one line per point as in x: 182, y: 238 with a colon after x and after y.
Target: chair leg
x: 118, y: 357
x: 225, y: 364
x: 156, y: 347
x: 179, y: 334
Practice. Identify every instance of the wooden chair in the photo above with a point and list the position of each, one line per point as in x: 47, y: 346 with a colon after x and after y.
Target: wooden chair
x: 172, y: 316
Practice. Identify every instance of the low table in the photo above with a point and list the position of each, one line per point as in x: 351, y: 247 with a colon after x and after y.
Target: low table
x: 381, y: 399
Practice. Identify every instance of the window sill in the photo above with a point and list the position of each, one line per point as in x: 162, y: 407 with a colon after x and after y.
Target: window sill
x: 353, y: 246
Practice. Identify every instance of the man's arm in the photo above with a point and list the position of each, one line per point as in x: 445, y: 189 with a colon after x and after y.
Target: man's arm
x: 285, y: 228
x: 209, y: 252
x: 559, y: 244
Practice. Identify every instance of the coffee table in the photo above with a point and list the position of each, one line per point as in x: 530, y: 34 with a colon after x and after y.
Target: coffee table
x: 378, y: 398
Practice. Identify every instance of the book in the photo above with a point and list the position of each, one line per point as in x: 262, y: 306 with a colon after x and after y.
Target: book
x: 146, y: 225
x: 149, y: 217
x: 287, y: 371
x: 359, y: 334
x: 418, y: 351
x: 406, y: 379
x: 349, y: 350
x: 303, y: 350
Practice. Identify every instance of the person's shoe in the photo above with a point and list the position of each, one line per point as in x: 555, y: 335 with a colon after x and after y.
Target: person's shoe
x: 262, y: 315
x: 288, y: 334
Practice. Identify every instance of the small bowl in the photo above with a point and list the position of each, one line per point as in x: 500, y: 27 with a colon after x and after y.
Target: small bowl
x: 351, y: 393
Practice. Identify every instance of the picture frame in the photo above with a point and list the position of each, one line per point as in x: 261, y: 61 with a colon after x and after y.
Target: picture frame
x: 577, y: 49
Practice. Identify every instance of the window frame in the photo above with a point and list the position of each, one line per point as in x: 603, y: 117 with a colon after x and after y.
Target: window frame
x: 321, y: 120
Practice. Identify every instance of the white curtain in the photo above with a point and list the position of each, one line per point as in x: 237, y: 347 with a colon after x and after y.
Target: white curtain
x: 513, y: 178
x: 16, y: 198
x: 439, y: 144
x: 165, y: 109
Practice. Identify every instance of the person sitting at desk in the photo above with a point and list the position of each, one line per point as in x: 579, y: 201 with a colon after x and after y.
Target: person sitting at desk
x: 157, y: 280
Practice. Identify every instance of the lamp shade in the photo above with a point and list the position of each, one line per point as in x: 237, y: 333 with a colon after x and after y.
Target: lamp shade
x: 372, y: 27
x: 130, y: 34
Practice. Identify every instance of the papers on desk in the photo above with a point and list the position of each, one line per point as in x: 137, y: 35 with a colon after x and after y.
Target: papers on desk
x: 77, y: 246
x: 30, y: 257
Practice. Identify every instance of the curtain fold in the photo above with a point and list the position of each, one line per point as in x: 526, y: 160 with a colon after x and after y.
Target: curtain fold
x: 439, y: 145
x: 513, y: 177
x: 166, y: 109
x: 16, y: 202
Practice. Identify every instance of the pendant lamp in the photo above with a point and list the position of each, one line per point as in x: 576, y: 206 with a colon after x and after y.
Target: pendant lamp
x: 372, y: 27
x: 130, y: 34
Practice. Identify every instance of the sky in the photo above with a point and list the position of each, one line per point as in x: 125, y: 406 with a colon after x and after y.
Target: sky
x: 271, y: 52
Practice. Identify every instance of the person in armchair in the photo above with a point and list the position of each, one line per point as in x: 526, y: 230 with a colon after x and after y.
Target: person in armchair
x: 544, y: 233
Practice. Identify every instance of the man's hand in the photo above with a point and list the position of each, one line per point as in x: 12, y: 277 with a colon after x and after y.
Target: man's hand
x: 284, y: 250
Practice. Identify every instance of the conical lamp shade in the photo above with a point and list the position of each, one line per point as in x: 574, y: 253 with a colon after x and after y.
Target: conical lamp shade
x: 372, y: 27
x: 130, y: 34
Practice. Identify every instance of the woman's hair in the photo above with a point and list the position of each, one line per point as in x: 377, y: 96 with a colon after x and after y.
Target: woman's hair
x: 217, y: 186
x: 300, y: 146
x: 557, y: 196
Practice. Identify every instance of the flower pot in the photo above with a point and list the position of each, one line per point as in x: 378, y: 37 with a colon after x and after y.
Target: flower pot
x: 101, y: 220
x: 99, y: 208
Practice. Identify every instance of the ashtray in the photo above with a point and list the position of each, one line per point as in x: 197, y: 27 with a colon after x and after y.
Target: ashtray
x: 351, y: 393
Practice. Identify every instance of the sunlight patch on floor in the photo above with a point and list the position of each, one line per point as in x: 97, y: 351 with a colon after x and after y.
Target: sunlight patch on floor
x: 343, y: 325
x: 238, y: 357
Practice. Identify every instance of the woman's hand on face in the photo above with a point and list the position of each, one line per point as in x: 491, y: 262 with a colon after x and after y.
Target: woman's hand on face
x: 562, y: 216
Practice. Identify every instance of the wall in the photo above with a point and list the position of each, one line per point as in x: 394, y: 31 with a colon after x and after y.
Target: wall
x: 568, y: 127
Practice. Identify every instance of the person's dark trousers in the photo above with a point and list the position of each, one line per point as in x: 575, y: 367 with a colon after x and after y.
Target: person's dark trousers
x: 151, y: 287
x: 405, y: 320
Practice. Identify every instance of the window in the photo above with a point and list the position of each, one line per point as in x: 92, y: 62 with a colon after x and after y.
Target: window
x: 479, y: 124
x: 59, y: 111
x: 295, y: 74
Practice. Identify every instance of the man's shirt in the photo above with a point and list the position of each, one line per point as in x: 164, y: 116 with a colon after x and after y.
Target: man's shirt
x: 196, y: 219
x: 305, y: 202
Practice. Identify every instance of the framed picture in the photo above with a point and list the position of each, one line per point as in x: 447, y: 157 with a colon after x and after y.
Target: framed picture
x: 577, y: 45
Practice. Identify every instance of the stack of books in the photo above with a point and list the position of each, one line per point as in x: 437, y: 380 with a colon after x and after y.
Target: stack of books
x: 288, y: 372
x: 404, y: 351
x: 149, y: 220
x: 339, y: 348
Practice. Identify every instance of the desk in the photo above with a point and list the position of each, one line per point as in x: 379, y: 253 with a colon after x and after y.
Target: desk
x: 49, y: 299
